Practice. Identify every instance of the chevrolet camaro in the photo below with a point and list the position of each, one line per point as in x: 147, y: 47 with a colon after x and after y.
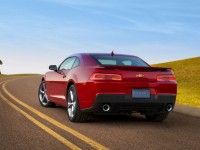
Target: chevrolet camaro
x: 88, y: 83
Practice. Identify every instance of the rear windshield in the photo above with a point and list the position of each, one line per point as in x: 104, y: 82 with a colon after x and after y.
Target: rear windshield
x: 119, y: 60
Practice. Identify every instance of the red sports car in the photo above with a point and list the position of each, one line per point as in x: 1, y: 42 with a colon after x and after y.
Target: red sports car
x: 88, y: 83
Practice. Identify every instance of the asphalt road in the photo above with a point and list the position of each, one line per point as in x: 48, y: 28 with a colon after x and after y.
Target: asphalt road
x: 24, y: 124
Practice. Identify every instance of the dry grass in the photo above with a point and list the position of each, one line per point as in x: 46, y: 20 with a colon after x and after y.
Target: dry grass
x: 16, y: 75
x: 188, y: 77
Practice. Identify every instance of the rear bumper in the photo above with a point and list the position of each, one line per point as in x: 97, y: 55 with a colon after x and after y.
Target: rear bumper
x: 123, y: 103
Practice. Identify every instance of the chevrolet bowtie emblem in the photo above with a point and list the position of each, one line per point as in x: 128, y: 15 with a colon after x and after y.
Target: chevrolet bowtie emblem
x: 139, y: 75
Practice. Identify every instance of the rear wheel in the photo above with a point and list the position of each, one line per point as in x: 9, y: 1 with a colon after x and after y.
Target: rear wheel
x: 73, y: 109
x: 42, y: 94
x: 157, y: 117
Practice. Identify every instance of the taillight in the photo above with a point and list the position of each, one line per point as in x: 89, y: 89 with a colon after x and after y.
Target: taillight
x: 103, y: 76
x: 166, y: 78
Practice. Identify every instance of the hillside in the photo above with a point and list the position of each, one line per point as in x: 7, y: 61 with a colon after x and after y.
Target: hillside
x: 16, y: 75
x: 187, y: 72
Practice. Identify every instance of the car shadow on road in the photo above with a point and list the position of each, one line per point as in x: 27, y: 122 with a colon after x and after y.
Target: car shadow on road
x: 125, y: 119
x: 117, y: 118
x: 134, y: 120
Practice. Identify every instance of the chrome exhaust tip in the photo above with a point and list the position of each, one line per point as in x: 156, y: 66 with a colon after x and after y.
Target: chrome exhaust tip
x: 106, y: 107
x: 169, y: 107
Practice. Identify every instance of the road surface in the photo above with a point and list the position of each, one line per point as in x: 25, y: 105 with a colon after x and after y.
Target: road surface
x: 25, y: 125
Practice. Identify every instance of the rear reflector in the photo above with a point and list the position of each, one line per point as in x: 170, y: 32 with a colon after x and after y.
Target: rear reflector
x: 102, y: 76
x: 166, y: 78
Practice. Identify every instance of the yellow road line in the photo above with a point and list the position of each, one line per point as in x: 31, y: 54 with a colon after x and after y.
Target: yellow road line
x: 84, y: 138
x: 42, y: 126
x: 2, y: 82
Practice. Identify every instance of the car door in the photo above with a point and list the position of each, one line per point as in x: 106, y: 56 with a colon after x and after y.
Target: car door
x: 57, y: 87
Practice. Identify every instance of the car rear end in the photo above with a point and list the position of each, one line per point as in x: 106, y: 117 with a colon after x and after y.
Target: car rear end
x: 123, y: 83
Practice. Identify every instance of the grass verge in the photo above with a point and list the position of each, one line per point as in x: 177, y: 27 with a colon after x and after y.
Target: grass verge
x: 187, y: 73
x: 16, y: 75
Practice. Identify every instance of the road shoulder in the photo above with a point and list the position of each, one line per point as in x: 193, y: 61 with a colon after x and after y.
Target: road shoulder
x: 189, y: 110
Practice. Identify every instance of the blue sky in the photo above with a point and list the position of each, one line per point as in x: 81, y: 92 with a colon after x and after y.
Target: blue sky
x: 37, y: 33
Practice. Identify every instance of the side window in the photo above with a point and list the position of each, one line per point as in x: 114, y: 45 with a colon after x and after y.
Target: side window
x: 76, y: 63
x: 67, y: 64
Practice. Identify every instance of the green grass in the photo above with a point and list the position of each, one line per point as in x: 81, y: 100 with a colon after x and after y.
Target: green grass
x: 187, y: 73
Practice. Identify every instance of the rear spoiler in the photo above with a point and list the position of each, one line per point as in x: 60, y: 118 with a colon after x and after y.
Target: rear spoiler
x: 134, y: 68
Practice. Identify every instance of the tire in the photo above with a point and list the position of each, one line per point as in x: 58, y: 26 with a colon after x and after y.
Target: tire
x: 42, y: 95
x: 157, y: 117
x: 73, y: 109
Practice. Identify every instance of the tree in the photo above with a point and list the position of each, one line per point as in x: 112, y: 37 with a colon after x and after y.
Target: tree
x: 1, y: 63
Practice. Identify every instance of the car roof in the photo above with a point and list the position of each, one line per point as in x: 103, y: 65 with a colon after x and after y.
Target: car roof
x: 105, y: 54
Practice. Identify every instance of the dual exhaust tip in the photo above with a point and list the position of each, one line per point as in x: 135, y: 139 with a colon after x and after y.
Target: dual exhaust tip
x: 106, y: 107
x: 169, y: 107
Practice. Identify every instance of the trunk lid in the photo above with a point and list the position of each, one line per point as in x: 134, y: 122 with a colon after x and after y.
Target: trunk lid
x: 138, y: 74
x: 136, y: 68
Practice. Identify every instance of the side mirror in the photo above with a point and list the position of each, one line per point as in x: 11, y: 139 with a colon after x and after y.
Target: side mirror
x: 53, y: 67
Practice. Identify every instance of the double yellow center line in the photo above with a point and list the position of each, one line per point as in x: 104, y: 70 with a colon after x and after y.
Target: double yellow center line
x: 84, y: 138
